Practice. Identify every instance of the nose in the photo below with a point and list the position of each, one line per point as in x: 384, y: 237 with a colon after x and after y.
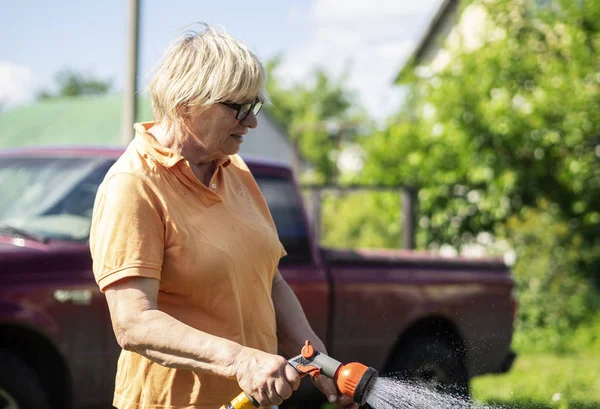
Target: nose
x: 250, y: 121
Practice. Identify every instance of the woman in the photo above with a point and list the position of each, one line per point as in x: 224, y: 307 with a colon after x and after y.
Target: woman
x: 186, y: 250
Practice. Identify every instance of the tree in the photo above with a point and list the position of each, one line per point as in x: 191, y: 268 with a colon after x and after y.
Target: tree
x: 317, y: 115
x: 506, y: 133
x: 516, y: 121
x: 74, y: 84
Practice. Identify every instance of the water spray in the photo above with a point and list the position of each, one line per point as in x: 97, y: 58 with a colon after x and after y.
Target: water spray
x: 352, y: 380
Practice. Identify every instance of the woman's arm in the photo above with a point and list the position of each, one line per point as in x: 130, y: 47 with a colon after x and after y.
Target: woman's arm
x: 140, y: 327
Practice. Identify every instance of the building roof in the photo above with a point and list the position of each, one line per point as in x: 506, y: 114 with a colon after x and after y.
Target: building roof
x: 447, y: 7
x: 90, y: 120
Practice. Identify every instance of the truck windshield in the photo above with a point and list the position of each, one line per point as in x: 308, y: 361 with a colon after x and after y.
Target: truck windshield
x: 49, y: 197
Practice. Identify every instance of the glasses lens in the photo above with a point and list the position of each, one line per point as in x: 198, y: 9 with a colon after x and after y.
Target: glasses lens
x: 257, y: 106
x: 244, y: 110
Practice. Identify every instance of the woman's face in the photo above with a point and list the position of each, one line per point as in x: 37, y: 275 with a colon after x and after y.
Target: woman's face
x: 214, y: 132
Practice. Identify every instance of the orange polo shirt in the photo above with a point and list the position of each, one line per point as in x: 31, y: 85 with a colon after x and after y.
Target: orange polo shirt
x: 214, y: 249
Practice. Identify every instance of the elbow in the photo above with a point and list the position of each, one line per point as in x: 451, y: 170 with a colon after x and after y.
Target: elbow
x: 124, y: 340
x: 125, y: 333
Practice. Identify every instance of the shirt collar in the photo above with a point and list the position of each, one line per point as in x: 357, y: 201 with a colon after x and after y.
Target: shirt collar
x: 146, y: 143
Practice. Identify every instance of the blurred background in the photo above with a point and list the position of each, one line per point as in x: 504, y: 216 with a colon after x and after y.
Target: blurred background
x: 486, y: 111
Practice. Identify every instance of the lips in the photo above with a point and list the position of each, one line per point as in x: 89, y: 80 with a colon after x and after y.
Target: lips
x: 239, y: 137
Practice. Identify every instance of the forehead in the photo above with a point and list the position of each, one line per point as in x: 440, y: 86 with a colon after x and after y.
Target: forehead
x: 244, y: 100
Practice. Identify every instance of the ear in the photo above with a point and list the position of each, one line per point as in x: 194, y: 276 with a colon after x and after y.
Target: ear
x: 183, y: 111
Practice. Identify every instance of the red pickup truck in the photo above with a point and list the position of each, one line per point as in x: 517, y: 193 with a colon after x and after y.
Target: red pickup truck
x: 438, y: 320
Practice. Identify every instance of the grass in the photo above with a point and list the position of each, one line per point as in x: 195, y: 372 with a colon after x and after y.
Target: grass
x: 540, y: 381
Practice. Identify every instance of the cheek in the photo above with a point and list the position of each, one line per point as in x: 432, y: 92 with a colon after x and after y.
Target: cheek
x: 228, y: 127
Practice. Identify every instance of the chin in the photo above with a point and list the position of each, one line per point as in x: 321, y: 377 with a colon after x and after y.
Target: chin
x: 231, y: 148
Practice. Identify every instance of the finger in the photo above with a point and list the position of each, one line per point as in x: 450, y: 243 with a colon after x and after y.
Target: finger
x: 262, y: 399
x: 274, y: 398
x: 327, y: 386
x: 291, y: 375
x: 283, y: 388
x: 272, y: 394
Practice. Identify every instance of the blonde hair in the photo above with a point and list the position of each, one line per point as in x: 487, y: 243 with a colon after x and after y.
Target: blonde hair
x: 201, y: 68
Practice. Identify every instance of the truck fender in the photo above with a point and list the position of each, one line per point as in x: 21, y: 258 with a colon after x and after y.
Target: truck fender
x: 26, y: 315
x: 31, y: 336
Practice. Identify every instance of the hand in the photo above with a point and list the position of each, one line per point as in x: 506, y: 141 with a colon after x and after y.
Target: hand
x: 327, y: 386
x: 267, y: 378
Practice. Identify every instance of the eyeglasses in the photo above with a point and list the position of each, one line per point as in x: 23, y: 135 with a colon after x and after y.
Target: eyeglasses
x: 243, y: 110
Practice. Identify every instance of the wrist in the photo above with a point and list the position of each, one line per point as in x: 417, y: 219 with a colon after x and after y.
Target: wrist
x: 232, y: 367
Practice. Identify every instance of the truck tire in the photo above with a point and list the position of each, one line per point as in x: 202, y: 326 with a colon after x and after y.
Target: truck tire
x: 433, y: 363
x: 20, y: 387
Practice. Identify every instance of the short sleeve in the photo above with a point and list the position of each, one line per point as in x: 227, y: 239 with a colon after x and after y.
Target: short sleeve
x: 127, y: 232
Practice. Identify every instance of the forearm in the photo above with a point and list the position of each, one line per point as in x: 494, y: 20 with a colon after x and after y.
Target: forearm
x: 293, y: 328
x: 171, y: 343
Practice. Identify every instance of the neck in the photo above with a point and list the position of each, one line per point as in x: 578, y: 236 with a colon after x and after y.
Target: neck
x: 202, y: 164
x: 203, y: 172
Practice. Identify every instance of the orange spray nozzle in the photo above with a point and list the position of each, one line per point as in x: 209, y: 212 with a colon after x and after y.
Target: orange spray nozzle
x: 353, y: 380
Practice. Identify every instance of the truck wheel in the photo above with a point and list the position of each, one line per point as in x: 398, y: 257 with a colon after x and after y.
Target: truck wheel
x: 433, y: 363
x: 19, y: 385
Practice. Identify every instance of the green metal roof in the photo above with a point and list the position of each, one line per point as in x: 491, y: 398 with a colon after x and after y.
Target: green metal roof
x: 92, y: 120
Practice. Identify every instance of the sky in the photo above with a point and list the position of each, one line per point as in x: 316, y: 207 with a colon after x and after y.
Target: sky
x: 370, y: 39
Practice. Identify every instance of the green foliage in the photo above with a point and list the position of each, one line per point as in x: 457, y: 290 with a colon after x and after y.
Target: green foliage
x: 514, y: 121
x: 554, y: 298
x: 350, y: 222
x: 318, y: 116
x: 586, y: 337
x: 75, y: 84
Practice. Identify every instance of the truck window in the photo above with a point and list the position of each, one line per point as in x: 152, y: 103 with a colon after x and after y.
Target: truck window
x: 79, y: 201
x: 50, y: 196
x: 287, y: 213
